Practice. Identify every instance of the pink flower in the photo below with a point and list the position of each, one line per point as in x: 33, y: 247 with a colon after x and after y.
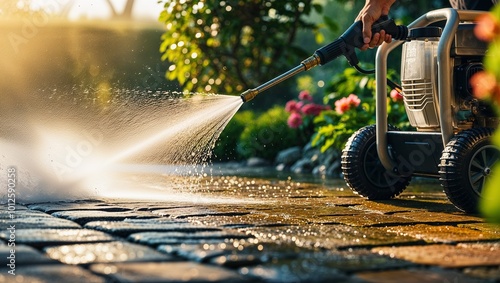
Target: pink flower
x: 291, y: 106
x: 305, y: 95
x: 299, y: 105
x: 345, y: 103
x: 396, y: 95
x: 295, y: 120
x: 342, y: 105
x: 312, y: 109
x: 353, y: 100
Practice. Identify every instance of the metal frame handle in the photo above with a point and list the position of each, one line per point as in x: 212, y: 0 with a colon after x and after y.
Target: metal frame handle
x: 452, y: 17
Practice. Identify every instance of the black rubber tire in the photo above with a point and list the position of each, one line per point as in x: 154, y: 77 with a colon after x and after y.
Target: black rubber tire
x: 465, y: 166
x: 363, y: 171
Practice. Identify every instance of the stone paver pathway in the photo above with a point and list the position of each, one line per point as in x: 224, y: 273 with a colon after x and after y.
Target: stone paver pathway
x: 286, y: 231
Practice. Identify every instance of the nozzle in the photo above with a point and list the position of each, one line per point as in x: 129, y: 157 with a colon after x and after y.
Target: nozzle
x: 249, y: 95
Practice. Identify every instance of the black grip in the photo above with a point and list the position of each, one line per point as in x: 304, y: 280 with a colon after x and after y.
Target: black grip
x: 331, y: 51
x: 353, y: 37
x: 390, y: 27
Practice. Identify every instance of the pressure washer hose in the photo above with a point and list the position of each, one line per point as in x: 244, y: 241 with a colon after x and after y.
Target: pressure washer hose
x: 352, y: 38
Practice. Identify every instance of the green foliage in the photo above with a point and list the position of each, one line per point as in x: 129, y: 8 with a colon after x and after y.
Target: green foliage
x: 228, y: 46
x: 266, y: 135
x: 491, y: 194
x: 347, y: 82
x: 225, y: 148
x: 335, y: 126
x: 334, y: 129
x: 490, y: 197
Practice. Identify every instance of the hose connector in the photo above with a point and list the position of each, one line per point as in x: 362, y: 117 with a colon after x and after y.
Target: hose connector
x: 311, y: 62
x: 249, y: 95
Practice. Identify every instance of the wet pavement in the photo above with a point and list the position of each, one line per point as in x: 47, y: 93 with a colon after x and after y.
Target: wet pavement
x: 251, y: 230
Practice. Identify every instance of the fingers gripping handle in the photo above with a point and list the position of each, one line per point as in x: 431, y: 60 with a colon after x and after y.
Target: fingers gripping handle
x: 390, y: 27
x: 353, y: 37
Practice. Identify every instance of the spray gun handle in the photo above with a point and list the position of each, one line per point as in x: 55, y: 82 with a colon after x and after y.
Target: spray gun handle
x: 384, y: 23
x: 353, y: 37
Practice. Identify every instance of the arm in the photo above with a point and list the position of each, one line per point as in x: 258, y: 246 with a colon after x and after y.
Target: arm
x: 371, y: 12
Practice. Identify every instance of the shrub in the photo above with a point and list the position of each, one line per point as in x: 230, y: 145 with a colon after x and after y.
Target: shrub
x: 302, y: 113
x: 266, y: 135
x: 354, y: 107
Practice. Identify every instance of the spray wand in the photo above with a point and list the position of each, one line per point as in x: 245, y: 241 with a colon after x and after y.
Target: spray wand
x: 344, y: 45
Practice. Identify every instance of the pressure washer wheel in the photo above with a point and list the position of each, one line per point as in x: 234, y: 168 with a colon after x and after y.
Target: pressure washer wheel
x: 465, y: 166
x: 364, y: 172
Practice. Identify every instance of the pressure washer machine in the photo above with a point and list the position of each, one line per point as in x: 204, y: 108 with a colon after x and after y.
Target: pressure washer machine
x: 453, y: 129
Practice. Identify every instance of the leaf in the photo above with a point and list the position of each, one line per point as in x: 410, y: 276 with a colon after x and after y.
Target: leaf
x: 332, y: 25
x: 327, y: 145
x: 318, y: 8
x: 491, y: 195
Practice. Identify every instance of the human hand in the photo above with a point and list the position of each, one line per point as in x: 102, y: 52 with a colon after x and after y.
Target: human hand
x: 370, y: 13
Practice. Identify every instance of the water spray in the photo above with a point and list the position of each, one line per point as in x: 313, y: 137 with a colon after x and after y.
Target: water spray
x: 344, y: 45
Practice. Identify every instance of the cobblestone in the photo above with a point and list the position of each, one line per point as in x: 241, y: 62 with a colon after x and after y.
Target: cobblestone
x: 131, y: 226
x: 491, y: 274
x: 50, y: 274
x: 331, y: 236
x: 233, y: 252
x: 445, y: 234
x: 110, y: 252
x: 83, y: 216
x: 38, y: 221
x: 79, y: 205
x: 186, y: 212
x: 7, y: 216
x: 417, y: 276
x: 296, y: 271
x: 363, y: 220
x: 166, y: 272
x: 158, y: 238
x: 52, y: 237
x: 25, y: 256
x: 448, y: 256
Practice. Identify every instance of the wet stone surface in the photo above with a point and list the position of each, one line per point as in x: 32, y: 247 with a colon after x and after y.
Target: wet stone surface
x: 186, y: 212
x: 84, y: 216
x: 331, y: 236
x: 366, y: 220
x: 449, y: 256
x: 6, y: 215
x: 166, y: 272
x: 432, y: 275
x: 25, y: 256
x: 235, y: 252
x: 133, y: 226
x: 492, y: 273
x: 104, y: 253
x: 443, y: 233
x: 79, y: 205
x: 37, y: 221
x: 50, y: 274
x: 52, y: 237
x: 158, y: 238
x: 252, y: 230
